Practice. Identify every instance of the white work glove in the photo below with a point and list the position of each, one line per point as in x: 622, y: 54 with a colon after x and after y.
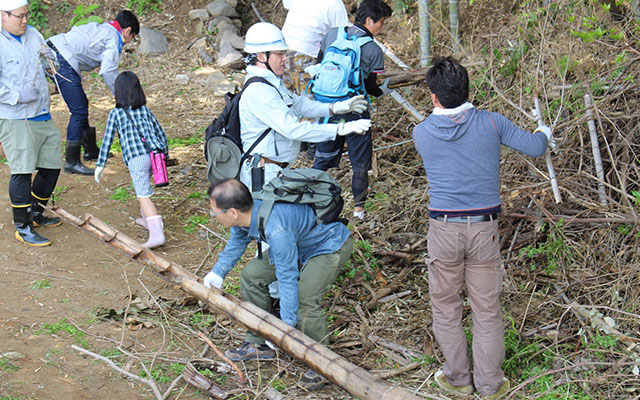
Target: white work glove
x: 547, y: 131
x: 28, y: 94
x: 212, y: 279
x: 355, y: 104
x: 97, y: 174
x: 359, y: 126
x: 385, y: 88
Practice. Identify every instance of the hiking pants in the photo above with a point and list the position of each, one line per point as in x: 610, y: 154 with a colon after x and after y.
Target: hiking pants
x: 316, y: 279
x: 469, y: 251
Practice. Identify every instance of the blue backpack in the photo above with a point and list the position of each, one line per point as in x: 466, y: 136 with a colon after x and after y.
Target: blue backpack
x: 339, y: 76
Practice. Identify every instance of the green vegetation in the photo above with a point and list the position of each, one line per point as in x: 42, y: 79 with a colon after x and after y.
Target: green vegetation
x: 63, y: 326
x: 57, y: 192
x: 193, y: 222
x: 37, y: 19
x: 123, y: 194
x: 41, y: 284
x: 200, y: 320
x: 6, y: 366
x: 553, y: 251
x: 179, y: 142
x: 81, y: 15
x: 143, y: 7
x: 198, y: 195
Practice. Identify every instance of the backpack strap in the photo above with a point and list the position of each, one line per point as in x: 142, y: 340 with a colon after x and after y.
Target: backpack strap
x: 264, y: 134
x: 264, y: 212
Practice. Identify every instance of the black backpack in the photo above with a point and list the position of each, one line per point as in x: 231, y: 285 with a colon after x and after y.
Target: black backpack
x: 227, y: 124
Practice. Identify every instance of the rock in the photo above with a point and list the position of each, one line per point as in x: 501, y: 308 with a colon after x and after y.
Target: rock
x: 230, y: 37
x: 199, y: 13
x: 229, y: 57
x: 152, y: 42
x: 12, y: 355
x: 199, y: 43
x: 218, y: 25
x: 239, y: 78
x: 237, y: 23
x: 205, y: 57
x: 232, y: 3
x: 182, y: 79
x: 220, y: 84
x: 220, y: 8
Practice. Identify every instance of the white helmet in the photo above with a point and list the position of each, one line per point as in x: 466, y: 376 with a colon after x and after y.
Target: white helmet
x: 263, y: 37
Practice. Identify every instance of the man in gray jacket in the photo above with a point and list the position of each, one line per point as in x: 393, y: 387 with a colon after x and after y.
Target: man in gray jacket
x: 460, y: 148
x: 29, y: 137
x: 85, y: 48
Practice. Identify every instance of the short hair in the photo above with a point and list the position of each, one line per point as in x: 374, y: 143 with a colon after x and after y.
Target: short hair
x: 449, y: 81
x: 231, y: 193
x: 127, y: 19
x: 374, y: 9
x: 129, y: 91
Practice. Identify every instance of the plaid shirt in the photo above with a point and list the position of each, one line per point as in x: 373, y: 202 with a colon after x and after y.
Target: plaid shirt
x: 130, y: 141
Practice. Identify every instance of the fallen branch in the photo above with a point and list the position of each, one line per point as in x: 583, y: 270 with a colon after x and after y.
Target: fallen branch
x: 387, y: 290
x: 111, y: 364
x: 335, y: 368
x: 227, y: 360
x: 567, y: 219
x: 595, y: 148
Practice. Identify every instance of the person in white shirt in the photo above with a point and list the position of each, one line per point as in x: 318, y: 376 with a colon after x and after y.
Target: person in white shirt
x: 271, y: 106
x: 85, y: 48
x: 30, y: 139
x: 306, y: 24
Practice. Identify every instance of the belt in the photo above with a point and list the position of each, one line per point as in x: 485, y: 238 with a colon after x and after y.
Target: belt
x: 278, y: 163
x: 52, y: 46
x: 468, y: 218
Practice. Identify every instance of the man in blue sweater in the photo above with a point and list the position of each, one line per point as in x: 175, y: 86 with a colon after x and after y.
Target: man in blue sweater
x: 460, y: 148
x: 304, y: 257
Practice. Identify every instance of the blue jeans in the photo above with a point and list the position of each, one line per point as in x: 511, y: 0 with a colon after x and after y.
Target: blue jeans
x: 70, y: 83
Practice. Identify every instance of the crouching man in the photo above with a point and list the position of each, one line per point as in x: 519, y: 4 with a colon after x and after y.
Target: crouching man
x: 303, y: 256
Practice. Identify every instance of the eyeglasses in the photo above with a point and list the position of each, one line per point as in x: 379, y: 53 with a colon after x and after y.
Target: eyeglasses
x: 215, y: 214
x: 24, y: 16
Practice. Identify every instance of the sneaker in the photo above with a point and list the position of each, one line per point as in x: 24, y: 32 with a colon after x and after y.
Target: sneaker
x: 311, y: 380
x: 501, y: 392
x: 250, y: 351
x: 441, y: 381
x: 359, y: 214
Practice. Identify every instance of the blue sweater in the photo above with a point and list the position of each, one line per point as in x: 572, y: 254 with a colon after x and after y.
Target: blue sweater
x: 460, y: 149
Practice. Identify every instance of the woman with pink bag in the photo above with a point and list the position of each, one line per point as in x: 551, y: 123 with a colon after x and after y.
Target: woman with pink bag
x: 144, y: 144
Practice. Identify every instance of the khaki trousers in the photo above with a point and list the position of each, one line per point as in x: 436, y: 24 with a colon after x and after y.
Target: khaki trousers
x: 469, y: 252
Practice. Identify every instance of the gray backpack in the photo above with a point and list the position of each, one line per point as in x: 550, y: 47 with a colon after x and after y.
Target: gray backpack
x: 308, y: 186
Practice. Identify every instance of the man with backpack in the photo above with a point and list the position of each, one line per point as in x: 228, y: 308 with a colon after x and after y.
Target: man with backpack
x: 267, y: 106
x: 85, y: 48
x: 364, y: 61
x: 460, y: 147
x: 304, y: 256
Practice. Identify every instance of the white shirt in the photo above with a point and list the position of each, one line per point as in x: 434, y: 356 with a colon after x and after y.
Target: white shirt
x: 87, y: 47
x: 20, y: 66
x: 261, y: 107
x: 308, y: 21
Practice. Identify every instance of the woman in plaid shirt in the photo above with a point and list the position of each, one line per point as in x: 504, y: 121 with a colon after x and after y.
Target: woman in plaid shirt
x: 133, y: 121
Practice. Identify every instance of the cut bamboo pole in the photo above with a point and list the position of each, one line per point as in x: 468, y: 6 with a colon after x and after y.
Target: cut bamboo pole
x: 453, y: 25
x: 425, y: 32
x: 547, y: 157
x: 595, y: 147
x: 356, y: 380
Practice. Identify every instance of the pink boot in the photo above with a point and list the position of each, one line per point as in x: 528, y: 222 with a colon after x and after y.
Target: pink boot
x: 140, y: 220
x: 156, y: 232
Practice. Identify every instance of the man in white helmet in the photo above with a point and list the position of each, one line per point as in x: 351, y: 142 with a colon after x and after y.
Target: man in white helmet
x: 29, y: 137
x: 271, y: 106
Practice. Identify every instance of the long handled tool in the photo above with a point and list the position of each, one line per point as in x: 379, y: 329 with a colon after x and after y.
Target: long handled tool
x: 547, y: 157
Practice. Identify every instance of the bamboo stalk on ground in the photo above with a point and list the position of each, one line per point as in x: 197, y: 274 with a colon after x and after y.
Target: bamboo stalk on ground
x: 334, y: 367
x: 595, y: 147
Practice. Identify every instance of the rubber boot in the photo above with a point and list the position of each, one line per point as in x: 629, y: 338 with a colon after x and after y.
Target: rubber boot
x: 37, y: 214
x: 73, y: 165
x: 24, y: 228
x: 156, y: 232
x: 141, y: 221
x: 91, y: 150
